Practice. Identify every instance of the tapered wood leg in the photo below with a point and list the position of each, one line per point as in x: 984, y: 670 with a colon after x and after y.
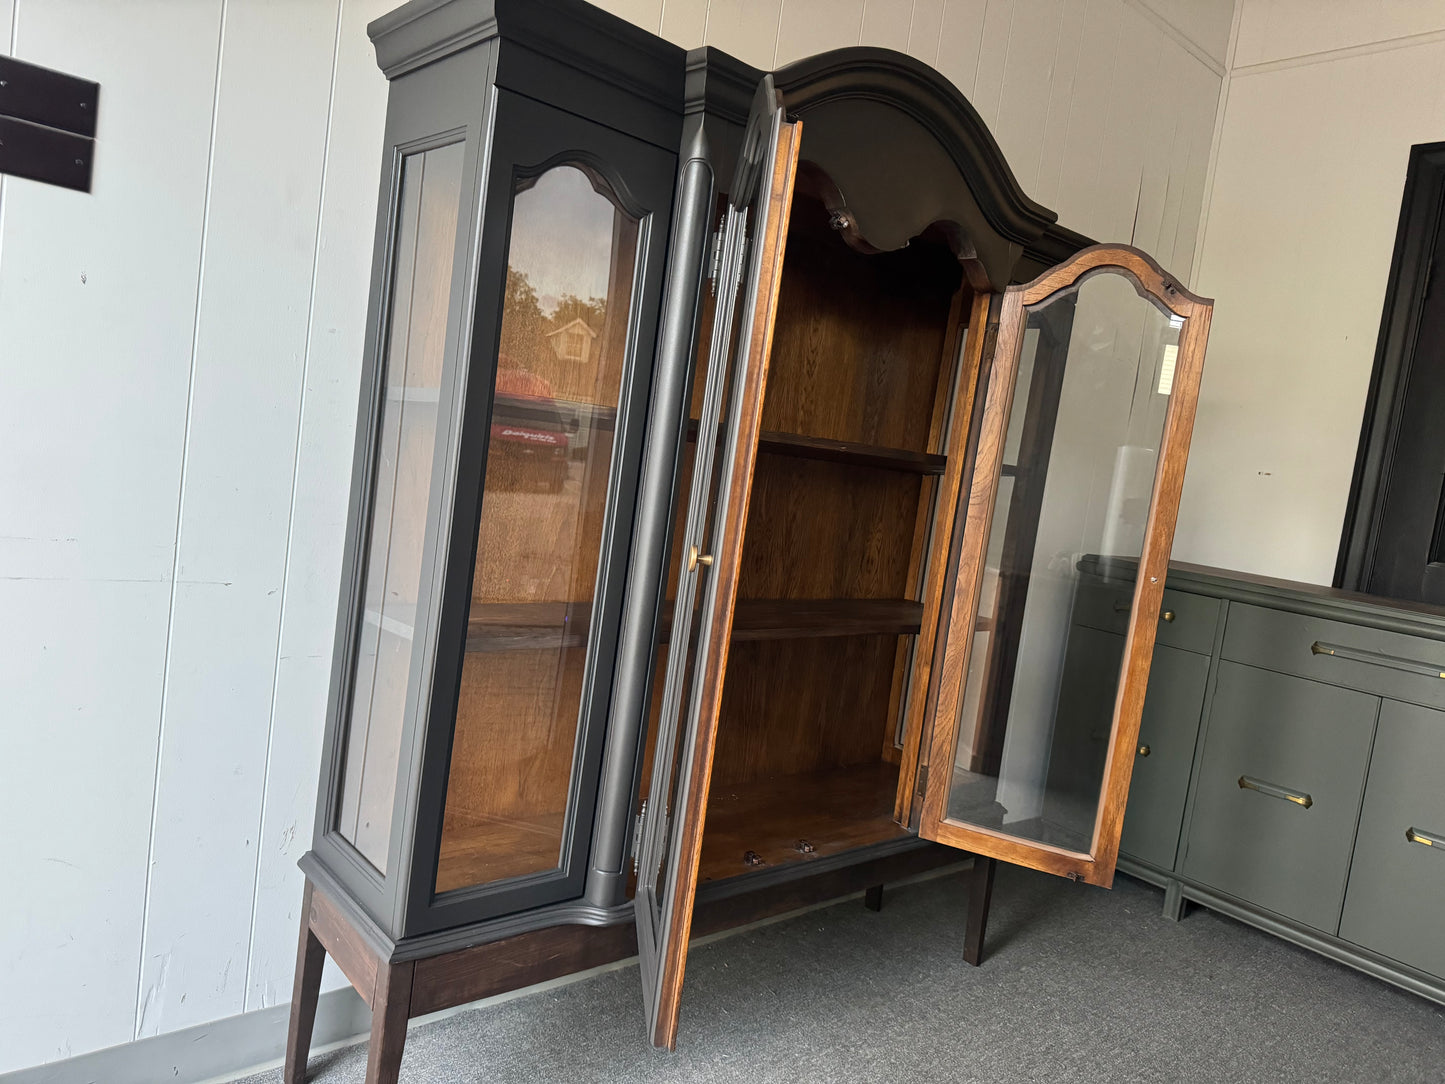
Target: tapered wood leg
x: 980, y: 893
x: 873, y: 898
x: 390, y: 1009
x: 310, y: 959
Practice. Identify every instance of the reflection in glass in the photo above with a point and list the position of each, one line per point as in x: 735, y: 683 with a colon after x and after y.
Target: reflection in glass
x: 562, y: 349
x: 1082, y: 444
x: 425, y: 238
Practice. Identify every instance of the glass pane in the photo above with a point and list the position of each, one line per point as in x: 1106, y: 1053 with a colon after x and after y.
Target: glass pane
x: 1083, y: 436
x: 564, y: 328
x: 425, y: 239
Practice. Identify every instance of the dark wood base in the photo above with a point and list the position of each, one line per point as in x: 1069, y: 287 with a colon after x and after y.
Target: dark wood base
x: 980, y: 895
x: 399, y: 984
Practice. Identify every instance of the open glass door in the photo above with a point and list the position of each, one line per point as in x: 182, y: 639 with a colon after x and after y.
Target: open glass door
x: 1081, y: 454
x: 747, y: 289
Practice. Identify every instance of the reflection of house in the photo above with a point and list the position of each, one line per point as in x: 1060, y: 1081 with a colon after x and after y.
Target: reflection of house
x: 573, y: 341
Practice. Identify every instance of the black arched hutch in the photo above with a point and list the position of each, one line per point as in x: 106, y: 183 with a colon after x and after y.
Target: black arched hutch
x: 730, y: 446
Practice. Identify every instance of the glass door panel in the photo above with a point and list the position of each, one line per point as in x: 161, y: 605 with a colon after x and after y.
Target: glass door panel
x: 571, y: 264
x: 1080, y: 464
x: 424, y: 241
x: 726, y: 448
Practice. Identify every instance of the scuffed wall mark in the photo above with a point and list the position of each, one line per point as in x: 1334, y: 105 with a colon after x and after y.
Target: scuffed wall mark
x: 225, y: 978
x: 63, y: 862
x: 153, y: 995
x: 288, y: 836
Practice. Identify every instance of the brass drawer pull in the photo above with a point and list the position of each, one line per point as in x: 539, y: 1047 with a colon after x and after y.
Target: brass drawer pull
x: 1377, y: 658
x: 1167, y: 615
x: 1123, y: 606
x: 1429, y: 839
x: 1271, y: 791
x: 1144, y: 750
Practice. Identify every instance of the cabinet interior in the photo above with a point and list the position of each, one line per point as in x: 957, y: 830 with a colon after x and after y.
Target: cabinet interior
x: 828, y: 603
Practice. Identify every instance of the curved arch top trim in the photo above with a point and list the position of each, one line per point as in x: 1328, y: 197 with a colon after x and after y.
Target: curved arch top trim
x: 1151, y: 279
x: 899, y: 80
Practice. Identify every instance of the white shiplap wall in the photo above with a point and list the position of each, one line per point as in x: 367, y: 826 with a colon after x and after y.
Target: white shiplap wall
x: 1325, y: 99
x: 179, y: 355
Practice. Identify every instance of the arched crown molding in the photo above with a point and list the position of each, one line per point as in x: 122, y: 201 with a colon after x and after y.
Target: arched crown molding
x: 906, y: 86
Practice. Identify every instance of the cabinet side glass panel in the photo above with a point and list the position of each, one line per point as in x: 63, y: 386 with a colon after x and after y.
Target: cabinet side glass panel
x: 1084, y: 430
x: 563, y: 344
x: 414, y: 344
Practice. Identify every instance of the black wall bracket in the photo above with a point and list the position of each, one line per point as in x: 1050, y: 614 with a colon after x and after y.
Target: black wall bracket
x: 47, y: 124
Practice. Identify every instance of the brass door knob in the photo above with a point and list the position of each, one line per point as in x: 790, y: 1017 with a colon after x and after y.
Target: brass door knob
x: 695, y: 558
x: 1144, y: 750
x: 1167, y: 615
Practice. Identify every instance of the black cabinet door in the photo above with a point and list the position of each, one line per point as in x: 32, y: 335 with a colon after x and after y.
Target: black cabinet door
x: 539, y: 513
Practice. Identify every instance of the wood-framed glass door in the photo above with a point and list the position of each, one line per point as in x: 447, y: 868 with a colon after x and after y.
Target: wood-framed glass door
x: 1081, y: 450
x: 748, y: 275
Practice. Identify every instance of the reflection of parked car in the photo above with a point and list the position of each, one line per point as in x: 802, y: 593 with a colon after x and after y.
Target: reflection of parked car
x: 529, y: 431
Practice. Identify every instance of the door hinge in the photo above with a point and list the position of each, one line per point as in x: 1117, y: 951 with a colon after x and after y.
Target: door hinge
x: 922, y: 779
x: 637, y: 833
x: 714, y: 258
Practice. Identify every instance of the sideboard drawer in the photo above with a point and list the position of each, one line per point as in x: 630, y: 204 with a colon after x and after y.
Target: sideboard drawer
x: 1185, y: 621
x: 1396, y: 894
x: 1388, y: 664
x: 1279, y: 792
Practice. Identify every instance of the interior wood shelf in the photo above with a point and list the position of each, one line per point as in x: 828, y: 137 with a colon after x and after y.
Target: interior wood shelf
x: 522, y: 626
x: 854, y: 454
x: 784, y: 619
x: 831, y: 811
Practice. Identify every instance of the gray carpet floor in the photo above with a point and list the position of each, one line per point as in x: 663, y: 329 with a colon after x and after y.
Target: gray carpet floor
x: 1079, y: 985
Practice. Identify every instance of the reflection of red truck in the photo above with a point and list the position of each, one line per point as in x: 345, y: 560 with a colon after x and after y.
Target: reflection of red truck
x: 527, y: 428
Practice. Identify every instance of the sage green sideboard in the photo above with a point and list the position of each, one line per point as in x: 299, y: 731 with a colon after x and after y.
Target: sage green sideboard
x: 1291, y: 765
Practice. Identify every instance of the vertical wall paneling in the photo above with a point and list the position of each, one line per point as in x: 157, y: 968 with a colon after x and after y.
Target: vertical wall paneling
x: 886, y: 23
x: 97, y: 311
x: 1025, y: 84
x: 746, y: 28
x: 1067, y: 58
x: 234, y: 507
x: 644, y: 13
x: 337, y: 294
x: 923, y: 28
x: 1078, y: 202
x: 960, y: 36
x: 810, y: 26
x: 993, y: 50
x: 684, y: 22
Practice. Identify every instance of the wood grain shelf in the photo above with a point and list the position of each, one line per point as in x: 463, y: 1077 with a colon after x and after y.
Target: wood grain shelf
x: 517, y: 408
x: 831, y: 811
x: 526, y: 626
x: 852, y: 453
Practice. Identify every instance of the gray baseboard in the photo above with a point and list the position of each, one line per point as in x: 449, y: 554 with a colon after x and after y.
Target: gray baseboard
x: 207, y: 1051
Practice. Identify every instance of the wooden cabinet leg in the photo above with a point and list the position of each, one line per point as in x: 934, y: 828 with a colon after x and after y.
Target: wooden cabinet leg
x: 310, y: 958
x: 873, y: 898
x: 980, y: 892
x: 390, y: 1010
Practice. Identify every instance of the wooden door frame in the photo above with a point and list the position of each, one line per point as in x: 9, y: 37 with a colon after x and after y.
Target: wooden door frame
x: 1097, y: 866
x: 1421, y: 207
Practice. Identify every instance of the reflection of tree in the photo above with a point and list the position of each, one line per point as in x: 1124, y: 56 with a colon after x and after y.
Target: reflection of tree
x: 570, y: 307
x: 525, y: 325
